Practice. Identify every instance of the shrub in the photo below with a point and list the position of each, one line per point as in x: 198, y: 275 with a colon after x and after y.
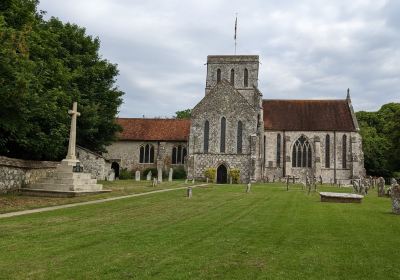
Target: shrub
x: 125, y: 174
x: 210, y: 173
x: 179, y: 173
x: 235, y: 175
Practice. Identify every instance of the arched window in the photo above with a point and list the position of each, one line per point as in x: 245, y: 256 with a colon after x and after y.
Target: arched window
x: 278, y: 150
x: 327, y: 151
x: 146, y: 154
x: 239, y: 137
x: 218, y: 75
x: 178, y: 155
x: 344, y: 151
x: 173, y: 158
x: 223, y: 133
x: 246, y: 77
x: 302, y: 153
x: 233, y: 77
x: 141, y: 157
x: 206, y: 136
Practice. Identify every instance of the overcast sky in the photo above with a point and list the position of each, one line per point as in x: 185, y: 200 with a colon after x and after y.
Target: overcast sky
x: 309, y: 49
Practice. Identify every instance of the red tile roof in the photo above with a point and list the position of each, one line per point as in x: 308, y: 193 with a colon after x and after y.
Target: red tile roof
x: 307, y: 115
x: 154, y: 129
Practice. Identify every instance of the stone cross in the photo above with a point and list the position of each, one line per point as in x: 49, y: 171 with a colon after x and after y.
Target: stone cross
x: 137, y: 175
x: 171, y: 171
x: 72, y: 133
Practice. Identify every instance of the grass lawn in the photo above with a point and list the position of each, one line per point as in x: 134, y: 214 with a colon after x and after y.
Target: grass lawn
x: 221, y: 233
x: 16, y: 202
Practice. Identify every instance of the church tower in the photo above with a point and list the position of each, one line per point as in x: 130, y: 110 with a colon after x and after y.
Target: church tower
x: 241, y: 71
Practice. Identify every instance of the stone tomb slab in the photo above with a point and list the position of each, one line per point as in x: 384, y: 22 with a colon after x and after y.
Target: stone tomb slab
x: 340, y: 197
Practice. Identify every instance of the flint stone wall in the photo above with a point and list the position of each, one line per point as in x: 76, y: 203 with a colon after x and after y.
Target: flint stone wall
x: 93, y: 163
x: 127, y: 154
x: 17, y: 173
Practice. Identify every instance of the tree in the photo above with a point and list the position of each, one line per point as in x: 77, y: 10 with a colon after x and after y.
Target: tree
x: 381, y: 139
x: 44, y: 67
x: 185, y: 114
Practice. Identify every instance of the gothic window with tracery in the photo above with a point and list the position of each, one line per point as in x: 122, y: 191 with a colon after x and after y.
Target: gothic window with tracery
x: 146, y: 154
x: 302, y: 153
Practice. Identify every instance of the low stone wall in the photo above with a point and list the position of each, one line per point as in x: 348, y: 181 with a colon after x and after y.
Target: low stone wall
x: 17, y: 173
x: 93, y: 163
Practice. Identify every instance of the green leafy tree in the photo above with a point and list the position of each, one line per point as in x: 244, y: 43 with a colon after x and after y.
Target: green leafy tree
x: 44, y: 67
x: 381, y: 139
x: 185, y: 114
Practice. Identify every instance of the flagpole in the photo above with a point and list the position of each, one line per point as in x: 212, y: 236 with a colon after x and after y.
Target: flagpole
x: 235, y: 32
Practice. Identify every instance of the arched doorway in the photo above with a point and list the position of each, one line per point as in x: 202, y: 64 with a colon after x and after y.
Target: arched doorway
x: 222, y: 174
x: 115, y: 167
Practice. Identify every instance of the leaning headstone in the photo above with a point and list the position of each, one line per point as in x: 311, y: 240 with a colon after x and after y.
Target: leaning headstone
x: 395, y: 195
x: 248, y: 188
x: 189, y: 192
x: 149, y: 175
x: 171, y: 171
x: 137, y: 175
x: 381, y: 187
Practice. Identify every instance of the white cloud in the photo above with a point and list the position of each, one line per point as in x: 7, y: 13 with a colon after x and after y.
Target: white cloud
x: 308, y: 49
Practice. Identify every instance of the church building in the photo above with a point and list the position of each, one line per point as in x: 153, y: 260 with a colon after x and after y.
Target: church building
x: 233, y: 127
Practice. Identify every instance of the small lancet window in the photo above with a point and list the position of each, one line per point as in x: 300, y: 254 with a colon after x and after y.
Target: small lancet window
x: 223, y: 135
x: 239, y: 137
x: 218, y: 75
x: 233, y: 77
x: 278, y: 150
x: 327, y: 151
x: 246, y: 77
x: 206, y: 136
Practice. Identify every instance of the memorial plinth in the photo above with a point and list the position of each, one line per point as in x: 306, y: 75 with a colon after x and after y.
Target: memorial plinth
x: 68, y: 179
x: 340, y: 197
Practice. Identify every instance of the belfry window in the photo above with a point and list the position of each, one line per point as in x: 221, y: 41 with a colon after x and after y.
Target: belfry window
x: 278, y: 150
x: 233, y: 77
x: 239, y: 137
x: 344, y: 151
x: 218, y: 75
x: 223, y: 135
x: 327, y: 151
x: 301, y: 154
x: 178, y: 155
x: 206, y: 136
x: 146, y: 154
x: 246, y: 77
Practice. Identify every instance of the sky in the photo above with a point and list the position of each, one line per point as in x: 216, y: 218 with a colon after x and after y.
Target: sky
x: 309, y: 49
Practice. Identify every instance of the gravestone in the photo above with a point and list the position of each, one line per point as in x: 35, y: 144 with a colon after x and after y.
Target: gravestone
x: 381, y: 187
x: 159, y: 174
x: 193, y: 181
x: 189, y: 192
x: 186, y: 181
x: 171, y: 171
x: 149, y: 175
x: 248, y: 188
x: 320, y: 179
x: 154, y: 183
x: 111, y: 175
x: 137, y: 175
x: 395, y: 196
